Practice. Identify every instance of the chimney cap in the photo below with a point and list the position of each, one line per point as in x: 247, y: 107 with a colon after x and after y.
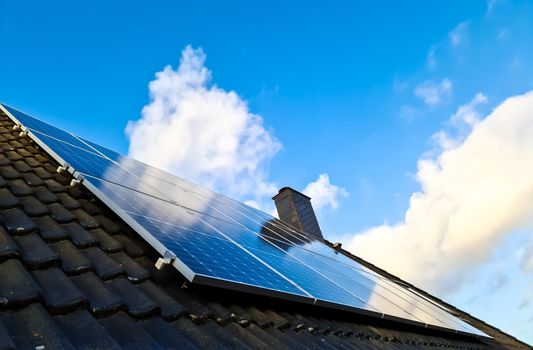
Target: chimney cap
x: 287, y: 188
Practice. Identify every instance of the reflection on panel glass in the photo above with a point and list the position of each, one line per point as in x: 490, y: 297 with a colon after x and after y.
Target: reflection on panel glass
x: 224, y: 240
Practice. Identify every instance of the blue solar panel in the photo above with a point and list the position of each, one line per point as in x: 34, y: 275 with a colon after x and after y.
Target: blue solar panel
x: 219, y: 241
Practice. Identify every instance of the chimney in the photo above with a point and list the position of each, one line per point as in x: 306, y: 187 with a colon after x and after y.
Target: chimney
x: 295, y: 209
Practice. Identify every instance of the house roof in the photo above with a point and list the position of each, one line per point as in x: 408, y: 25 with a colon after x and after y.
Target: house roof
x: 73, y: 275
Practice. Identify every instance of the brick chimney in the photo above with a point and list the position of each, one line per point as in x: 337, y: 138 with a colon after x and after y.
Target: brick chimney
x: 295, y: 209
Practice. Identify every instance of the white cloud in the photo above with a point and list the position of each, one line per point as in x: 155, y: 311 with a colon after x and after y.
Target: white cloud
x: 204, y: 133
x: 473, y: 195
x: 324, y: 194
x: 434, y: 93
x: 458, y: 34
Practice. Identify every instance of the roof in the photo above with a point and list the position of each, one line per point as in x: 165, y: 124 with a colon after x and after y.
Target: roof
x: 73, y: 275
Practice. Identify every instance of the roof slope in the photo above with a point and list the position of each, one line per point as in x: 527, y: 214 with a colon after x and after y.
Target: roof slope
x: 73, y: 275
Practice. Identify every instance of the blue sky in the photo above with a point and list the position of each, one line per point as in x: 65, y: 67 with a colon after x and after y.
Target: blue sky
x: 356, y: 91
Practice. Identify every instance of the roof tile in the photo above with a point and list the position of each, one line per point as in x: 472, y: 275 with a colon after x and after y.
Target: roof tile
x: 60, y: 214
x: 9, y: 173
x: 44, y: 195
x: 102, y: 299
x: 22, y: 166
x: 60, y: 294
x: 85, y: 332
x: 17, y: 287
x: 139, y: 304
x: 34, y: 163
x: 32, y: 180
x: 2, y: 182
x: 19, y: 188
x: 33, y: 328
x: 132, y: 248
x: 54, y: 186
x: 89, y: 206
x: 67, y: 201
x: 106, y: 241
x: 17, y: 222
x: 107, y: 224
x: 166, y: 336
x: 134, y: 272
x: 34, y: 251
x: 13, y: 155
x: 86, y: 220
x: 79, y: 236
x: 50, y: 230
x: 170, y: 308
x: 42, y: 173
x: 73, y: 261
x: 7, y: 200
x: 127, y: 333
x: 106, y: 267
x: 8, y: 248
x: 33, y: 207
x: 4, y: 160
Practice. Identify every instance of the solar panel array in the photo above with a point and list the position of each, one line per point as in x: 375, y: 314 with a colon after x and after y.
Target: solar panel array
x: 215, y: 240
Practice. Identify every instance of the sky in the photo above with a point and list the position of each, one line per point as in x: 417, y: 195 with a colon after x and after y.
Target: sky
x: 408, y: 123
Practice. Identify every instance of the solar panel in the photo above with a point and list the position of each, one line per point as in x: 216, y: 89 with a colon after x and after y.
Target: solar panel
x: 215, y: 240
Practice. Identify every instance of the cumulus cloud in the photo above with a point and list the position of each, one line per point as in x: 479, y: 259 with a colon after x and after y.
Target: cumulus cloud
x: 434, y: 93
x: 473, y: 194
x: 324, y: 194
x: 204, y: 133
x: 458, y: 34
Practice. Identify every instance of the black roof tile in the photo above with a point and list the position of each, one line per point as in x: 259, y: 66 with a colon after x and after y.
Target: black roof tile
x: 22, y: 166
x: 60, y: 214
x: 198, y: 311
x: 62, y: 179
x: 4, y: 160
x: 49, y: 229
x: 138, y: 303
x: 17, y: 222
x: 166, y: 336
x: 31, y: 179
x: 54, y: 186
x: 165, y: 276
x: 20, y: 144
x: 7, y: 199
x: 127, y: 333
x: 79, y: 236
x: 170, y: 308
x: 201, y: 338
x: 223, y: 316
x: 13, y: 155
x: 34, y: 251
x: 8, y: 248
x: 134, y: 272
x: 251, y: 340
x: 33, y: 328
x: 106, y: 241
x: 108, y: 225
x: 85, y: 332
x: 102, y: 299
x: 17, y: 287
x: 132, y: 248
x: 105, y: 267
x: 44, y: 195
x: 6, y: 343
x: 2, y: 182
x: 33, y: 207
x: 34, y: 163
x: 85, y: 220
x: 60, y: 294
x: 89, y: 206
x: 67, y: 201
x: 73, y: 261
x: 9, y: 173
x: 42, y: 173
x: 44, y: 160
x: 19, y: 188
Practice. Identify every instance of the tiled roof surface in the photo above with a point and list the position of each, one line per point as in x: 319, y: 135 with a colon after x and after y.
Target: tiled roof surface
x: 72, y: 275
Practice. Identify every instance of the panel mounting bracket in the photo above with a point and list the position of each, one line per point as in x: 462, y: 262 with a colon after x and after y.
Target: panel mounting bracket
x: 166, y: 259
x: 63, y: 167
x: 78, y: 179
